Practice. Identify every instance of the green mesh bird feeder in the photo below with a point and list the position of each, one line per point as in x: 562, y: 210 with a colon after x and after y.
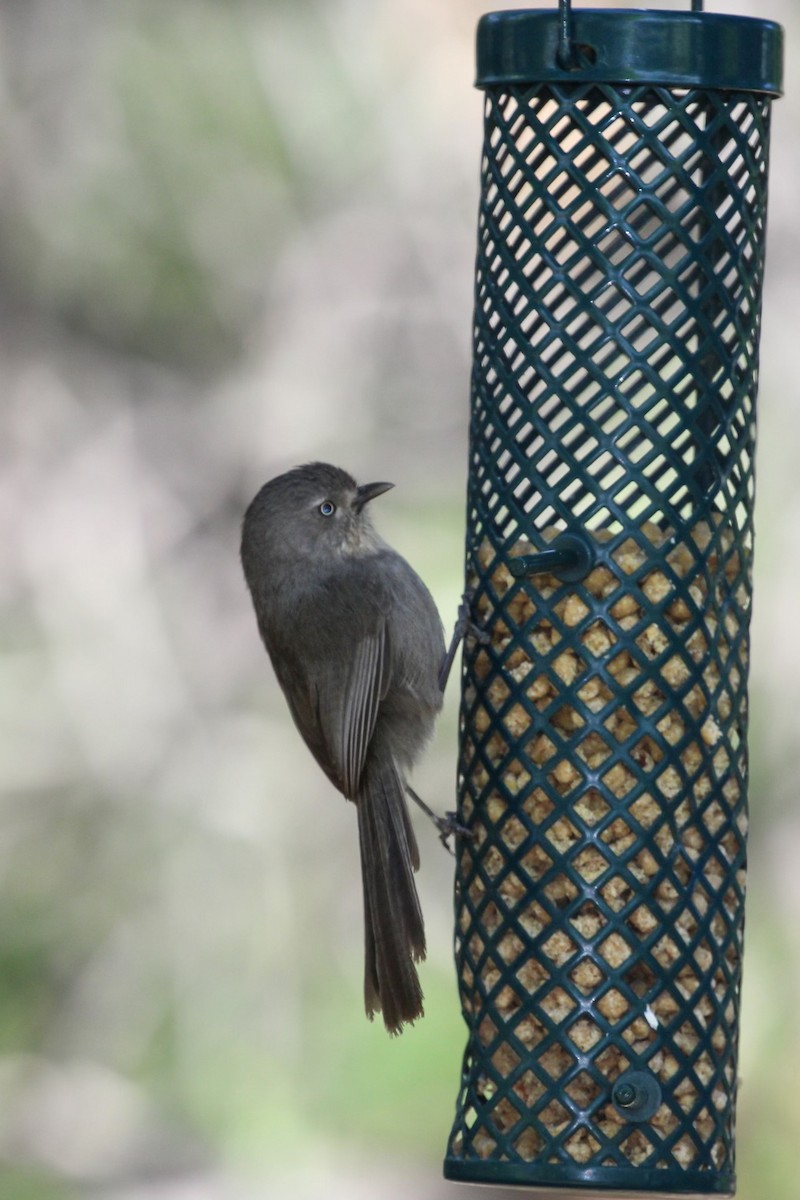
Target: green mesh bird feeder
x: 603, y: 747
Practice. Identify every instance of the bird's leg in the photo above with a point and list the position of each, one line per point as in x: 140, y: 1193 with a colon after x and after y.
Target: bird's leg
x: 464, y: 627
x: 447, y: 825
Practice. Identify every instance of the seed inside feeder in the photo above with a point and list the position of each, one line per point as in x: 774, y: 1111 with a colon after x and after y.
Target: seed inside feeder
x: 606, y: 800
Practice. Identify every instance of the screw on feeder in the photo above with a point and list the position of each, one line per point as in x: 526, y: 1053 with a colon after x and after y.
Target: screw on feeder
x: 569, y: 558
x: 624, y: 1095
x: 637, y: 1095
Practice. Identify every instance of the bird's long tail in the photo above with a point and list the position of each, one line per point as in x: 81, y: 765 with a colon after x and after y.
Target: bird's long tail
x: 393, y: 925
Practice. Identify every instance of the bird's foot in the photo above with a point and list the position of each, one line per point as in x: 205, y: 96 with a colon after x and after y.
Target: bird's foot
x: 465, y: 626
x: 450, y: 827
x: 447, y: 825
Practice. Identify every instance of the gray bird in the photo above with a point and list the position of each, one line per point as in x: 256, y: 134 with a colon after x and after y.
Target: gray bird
x: 357, y: 646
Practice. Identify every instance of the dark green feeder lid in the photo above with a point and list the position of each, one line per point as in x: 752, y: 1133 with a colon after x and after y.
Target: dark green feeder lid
x: 674, y: 49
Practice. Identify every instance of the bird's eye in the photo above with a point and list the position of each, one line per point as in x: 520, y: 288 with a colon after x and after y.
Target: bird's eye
x: 327, y: 508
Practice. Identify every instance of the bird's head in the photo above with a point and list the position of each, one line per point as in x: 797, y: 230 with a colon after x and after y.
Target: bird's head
x: 313, y: 510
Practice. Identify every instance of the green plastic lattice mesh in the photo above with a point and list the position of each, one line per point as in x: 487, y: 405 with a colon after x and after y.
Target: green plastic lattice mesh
x: 603, y: 754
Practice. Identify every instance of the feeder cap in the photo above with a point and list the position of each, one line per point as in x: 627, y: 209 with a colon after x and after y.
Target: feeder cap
x: 715, y: 51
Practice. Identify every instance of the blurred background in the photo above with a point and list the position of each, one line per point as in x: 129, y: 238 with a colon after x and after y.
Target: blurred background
x: 236, y: 236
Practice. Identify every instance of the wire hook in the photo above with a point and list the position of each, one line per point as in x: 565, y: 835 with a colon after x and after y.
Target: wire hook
x: 567, y: 55
x: 566, y: 47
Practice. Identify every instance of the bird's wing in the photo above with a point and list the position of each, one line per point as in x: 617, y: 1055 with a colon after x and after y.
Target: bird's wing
x: 361, y: 691
x: 334, y: 698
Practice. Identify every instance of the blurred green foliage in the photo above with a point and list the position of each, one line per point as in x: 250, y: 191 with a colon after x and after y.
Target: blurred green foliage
x: 177, y: 181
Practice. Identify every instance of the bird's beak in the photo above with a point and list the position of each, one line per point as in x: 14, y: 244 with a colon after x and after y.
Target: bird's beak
x: 368, y: 491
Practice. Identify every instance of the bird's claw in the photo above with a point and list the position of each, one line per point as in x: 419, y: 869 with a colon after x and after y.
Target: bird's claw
x: 465, y: 624
x: 449, y: 826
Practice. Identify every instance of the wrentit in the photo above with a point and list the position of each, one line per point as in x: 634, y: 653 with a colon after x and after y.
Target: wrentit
x: 357, y: 646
